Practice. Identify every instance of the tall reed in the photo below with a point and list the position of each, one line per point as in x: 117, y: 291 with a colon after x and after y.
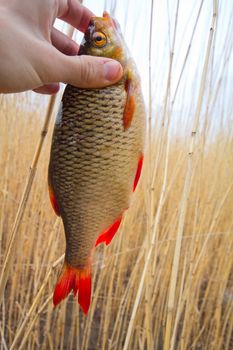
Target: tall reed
x: 166, y: 280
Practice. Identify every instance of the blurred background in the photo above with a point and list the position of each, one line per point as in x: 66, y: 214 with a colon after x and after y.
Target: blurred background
x: 166, y: 280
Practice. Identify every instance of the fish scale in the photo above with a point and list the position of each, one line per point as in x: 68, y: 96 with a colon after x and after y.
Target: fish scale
x: 96, y: 159
x: 92, y: 160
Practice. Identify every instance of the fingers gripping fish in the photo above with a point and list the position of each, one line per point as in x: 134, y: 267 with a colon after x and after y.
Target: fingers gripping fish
x: 96, y: 158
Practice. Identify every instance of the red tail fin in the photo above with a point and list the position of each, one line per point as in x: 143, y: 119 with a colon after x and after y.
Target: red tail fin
x: 77, y: 280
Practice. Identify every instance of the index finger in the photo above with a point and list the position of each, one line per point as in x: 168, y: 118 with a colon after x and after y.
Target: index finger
x: 72, y: 12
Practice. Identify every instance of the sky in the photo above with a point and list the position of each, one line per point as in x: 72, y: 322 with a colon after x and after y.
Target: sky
x: 134, y: 17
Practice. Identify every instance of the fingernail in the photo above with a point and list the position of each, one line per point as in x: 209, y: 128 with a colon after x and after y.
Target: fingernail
x: 112, y: 70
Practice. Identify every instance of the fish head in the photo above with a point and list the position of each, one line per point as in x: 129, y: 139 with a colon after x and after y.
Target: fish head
x: 104, y: 38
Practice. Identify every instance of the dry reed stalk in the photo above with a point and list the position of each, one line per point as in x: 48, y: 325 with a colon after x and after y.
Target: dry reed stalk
x: 183, y: 205
x: 3, y: 206
x: 35, y: 303
x: 108, y: 303
x: 165, y: 123
x: 173, y: 339
x: 208, y: 218
x: 187, y: 53
x: 150, y: 191
x: 161, y: 200
x: 212, y: 226
x: 3, y: 339
x: 148, y: 317
x: 49, y: 246
x: 228, y: 320
x: 122, y: 305
x: 32, y: 323
x: 11, y: 247
x: 137, y: 300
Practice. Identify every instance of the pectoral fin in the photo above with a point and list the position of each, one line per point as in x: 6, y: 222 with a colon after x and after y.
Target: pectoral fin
x: 130, y: 103
x: 53, y: 200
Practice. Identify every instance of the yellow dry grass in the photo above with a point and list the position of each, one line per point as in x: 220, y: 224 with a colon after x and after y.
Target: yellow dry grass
x: 166, y: 280
x: 202, y: 310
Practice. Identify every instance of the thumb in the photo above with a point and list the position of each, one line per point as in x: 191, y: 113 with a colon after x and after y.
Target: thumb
x: 84, y: 71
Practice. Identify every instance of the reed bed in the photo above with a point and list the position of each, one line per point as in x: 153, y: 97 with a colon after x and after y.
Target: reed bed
x: 166, y: 280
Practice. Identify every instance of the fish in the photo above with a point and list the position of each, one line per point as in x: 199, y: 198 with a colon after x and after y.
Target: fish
x: 96, y: 158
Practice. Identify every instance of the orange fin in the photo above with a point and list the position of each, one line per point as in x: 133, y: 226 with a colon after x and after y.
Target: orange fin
x: 78, y: 280
x: 107, y: 236
x: 138, y: 172
x: 53, y: 201
x: 129, y: 105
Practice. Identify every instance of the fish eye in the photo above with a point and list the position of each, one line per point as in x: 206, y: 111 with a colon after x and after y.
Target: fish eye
x: 99, y: 39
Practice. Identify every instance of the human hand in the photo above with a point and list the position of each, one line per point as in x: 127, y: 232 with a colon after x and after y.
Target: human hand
x: 35, y: 55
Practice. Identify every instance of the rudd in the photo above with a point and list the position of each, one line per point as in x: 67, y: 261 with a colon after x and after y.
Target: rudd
x: 96, y: 158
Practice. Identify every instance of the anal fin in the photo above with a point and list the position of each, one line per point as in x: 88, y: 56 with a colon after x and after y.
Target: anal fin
x: 107, y: 236
x: 138, y: 172
x: 53, y: 201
